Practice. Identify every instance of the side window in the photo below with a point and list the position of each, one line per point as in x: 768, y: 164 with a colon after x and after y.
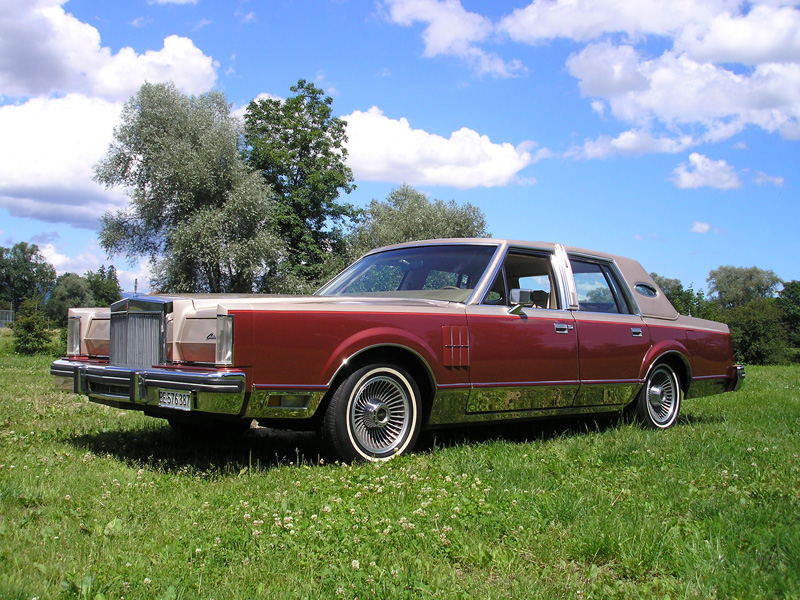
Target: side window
x: 597, y: 287
x: 525, y: 271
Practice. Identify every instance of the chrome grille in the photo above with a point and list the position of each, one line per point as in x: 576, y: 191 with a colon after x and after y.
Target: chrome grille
x: 137, y: 336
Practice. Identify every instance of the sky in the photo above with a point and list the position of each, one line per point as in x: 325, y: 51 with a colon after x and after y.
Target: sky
x: 667, y: 131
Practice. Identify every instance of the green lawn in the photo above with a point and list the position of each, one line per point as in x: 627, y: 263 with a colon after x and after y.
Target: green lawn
x: 101, y: 503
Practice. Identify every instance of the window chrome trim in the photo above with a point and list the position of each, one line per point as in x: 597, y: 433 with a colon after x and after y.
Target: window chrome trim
x: 557, y: 281
x: 622, y: 284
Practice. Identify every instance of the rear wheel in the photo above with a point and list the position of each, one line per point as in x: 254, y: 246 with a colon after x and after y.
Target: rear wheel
x: 373, y: 415
x: 659, y: 401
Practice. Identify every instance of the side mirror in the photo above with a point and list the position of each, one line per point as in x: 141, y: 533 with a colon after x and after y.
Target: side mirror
x: 519, y: 300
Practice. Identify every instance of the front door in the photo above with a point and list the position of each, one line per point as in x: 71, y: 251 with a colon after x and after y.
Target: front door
x: 526, y: 361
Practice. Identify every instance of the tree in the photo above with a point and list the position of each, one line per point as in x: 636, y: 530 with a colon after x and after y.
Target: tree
x: 737, y: 286
x: 687, y: 301
x: 24, y: 274
x: 758, y: 333
x: 30, y: 329
x: 181, y: 159
x: 788, y: 301
x: 71, y: 290
x: 408, y: 215
x: 299, y: 148
x: 104, y: 286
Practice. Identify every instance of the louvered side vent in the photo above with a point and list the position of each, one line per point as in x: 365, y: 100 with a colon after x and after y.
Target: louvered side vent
x: 136, y: 339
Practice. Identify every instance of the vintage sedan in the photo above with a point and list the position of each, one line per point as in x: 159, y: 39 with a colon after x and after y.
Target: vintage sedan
x: 419, y: 335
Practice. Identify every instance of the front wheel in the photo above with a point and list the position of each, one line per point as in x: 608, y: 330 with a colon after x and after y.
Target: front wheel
x: 373, y: 415
x: 659, y: 401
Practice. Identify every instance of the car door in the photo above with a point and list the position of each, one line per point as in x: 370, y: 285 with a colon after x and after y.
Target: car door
x: 526, y: 360
x: 612, y: 338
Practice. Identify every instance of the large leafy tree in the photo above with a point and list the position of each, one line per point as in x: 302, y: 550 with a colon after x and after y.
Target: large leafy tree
x: 758, y: 332
x: 24, y: 274
x: 196, y: 211
x: 788, y: 302
x: 298, y: 146
x: 71, y: 290
x: 738, y: 286
x: 104, y: 285
x: 407, y: 215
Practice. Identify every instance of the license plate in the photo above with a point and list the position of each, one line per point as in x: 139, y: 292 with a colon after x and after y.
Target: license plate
x: 176, y: 400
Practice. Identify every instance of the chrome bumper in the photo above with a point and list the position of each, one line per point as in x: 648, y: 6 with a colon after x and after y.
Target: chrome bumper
x: 137, y: 388
x: 736, y: 377
x: 214, y: 392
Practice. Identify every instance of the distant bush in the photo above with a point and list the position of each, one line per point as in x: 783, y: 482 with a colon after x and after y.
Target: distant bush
x: 30, y: 329
x: 758, y: 333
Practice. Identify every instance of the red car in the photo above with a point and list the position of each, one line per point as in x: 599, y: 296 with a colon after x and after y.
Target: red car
x: 418, y: 335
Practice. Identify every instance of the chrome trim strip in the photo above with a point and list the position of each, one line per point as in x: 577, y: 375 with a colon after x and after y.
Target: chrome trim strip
x: 564, y: 271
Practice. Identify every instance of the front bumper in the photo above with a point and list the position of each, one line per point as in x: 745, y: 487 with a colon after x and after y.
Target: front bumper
x: 217, y: 392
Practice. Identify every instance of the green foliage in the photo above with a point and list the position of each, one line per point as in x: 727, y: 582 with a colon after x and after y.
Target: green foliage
x: 407, y: 215
x: 298, y: 146
x: 758, y: 332
x: 181, y: 159
x: 71, y: 291
x: 24, y: 273
x: 707, y: 509
x: 687, y: 301
x: 104, y: 285
x: 30, y: 329
x: 789, y: 303
x: 736, y: 286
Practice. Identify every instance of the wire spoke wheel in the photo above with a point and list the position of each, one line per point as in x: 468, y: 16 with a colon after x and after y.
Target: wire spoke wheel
x: 379, y: 413
x: 660, y: 399
x: 374, y: 414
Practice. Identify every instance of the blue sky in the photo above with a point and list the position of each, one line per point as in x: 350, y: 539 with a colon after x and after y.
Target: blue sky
x: 667, y: 131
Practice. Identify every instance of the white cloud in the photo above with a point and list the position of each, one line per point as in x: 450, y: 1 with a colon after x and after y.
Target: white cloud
x: 453, y: 31
x: 384, y: 149
x: 607, y: 70
x: 731, y: 64
x: 53, y: 181
x: 765, y: 34
x: 43, y: 50
x: 633, y: 143
x: 698, y: 227
x: 246, y: 18
x: 674, y: 90
x: 71, y: 91
x: 704, y: 172
x: 762, y: 178
x: 584, y: 20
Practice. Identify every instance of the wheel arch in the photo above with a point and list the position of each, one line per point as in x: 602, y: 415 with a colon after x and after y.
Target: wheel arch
x: 679, y: 363
x: 394, y: 354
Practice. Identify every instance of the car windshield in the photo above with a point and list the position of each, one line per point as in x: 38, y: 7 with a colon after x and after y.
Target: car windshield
x: 442, y: 272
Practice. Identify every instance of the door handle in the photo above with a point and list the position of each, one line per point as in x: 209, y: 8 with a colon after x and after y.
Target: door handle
x: 636, y: 331
x: 562, y: 327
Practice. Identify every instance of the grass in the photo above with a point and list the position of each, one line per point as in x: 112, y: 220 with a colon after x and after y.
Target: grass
x: 100, y: 503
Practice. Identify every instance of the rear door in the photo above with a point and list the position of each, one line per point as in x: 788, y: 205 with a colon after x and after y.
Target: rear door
x: 612, y: 338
